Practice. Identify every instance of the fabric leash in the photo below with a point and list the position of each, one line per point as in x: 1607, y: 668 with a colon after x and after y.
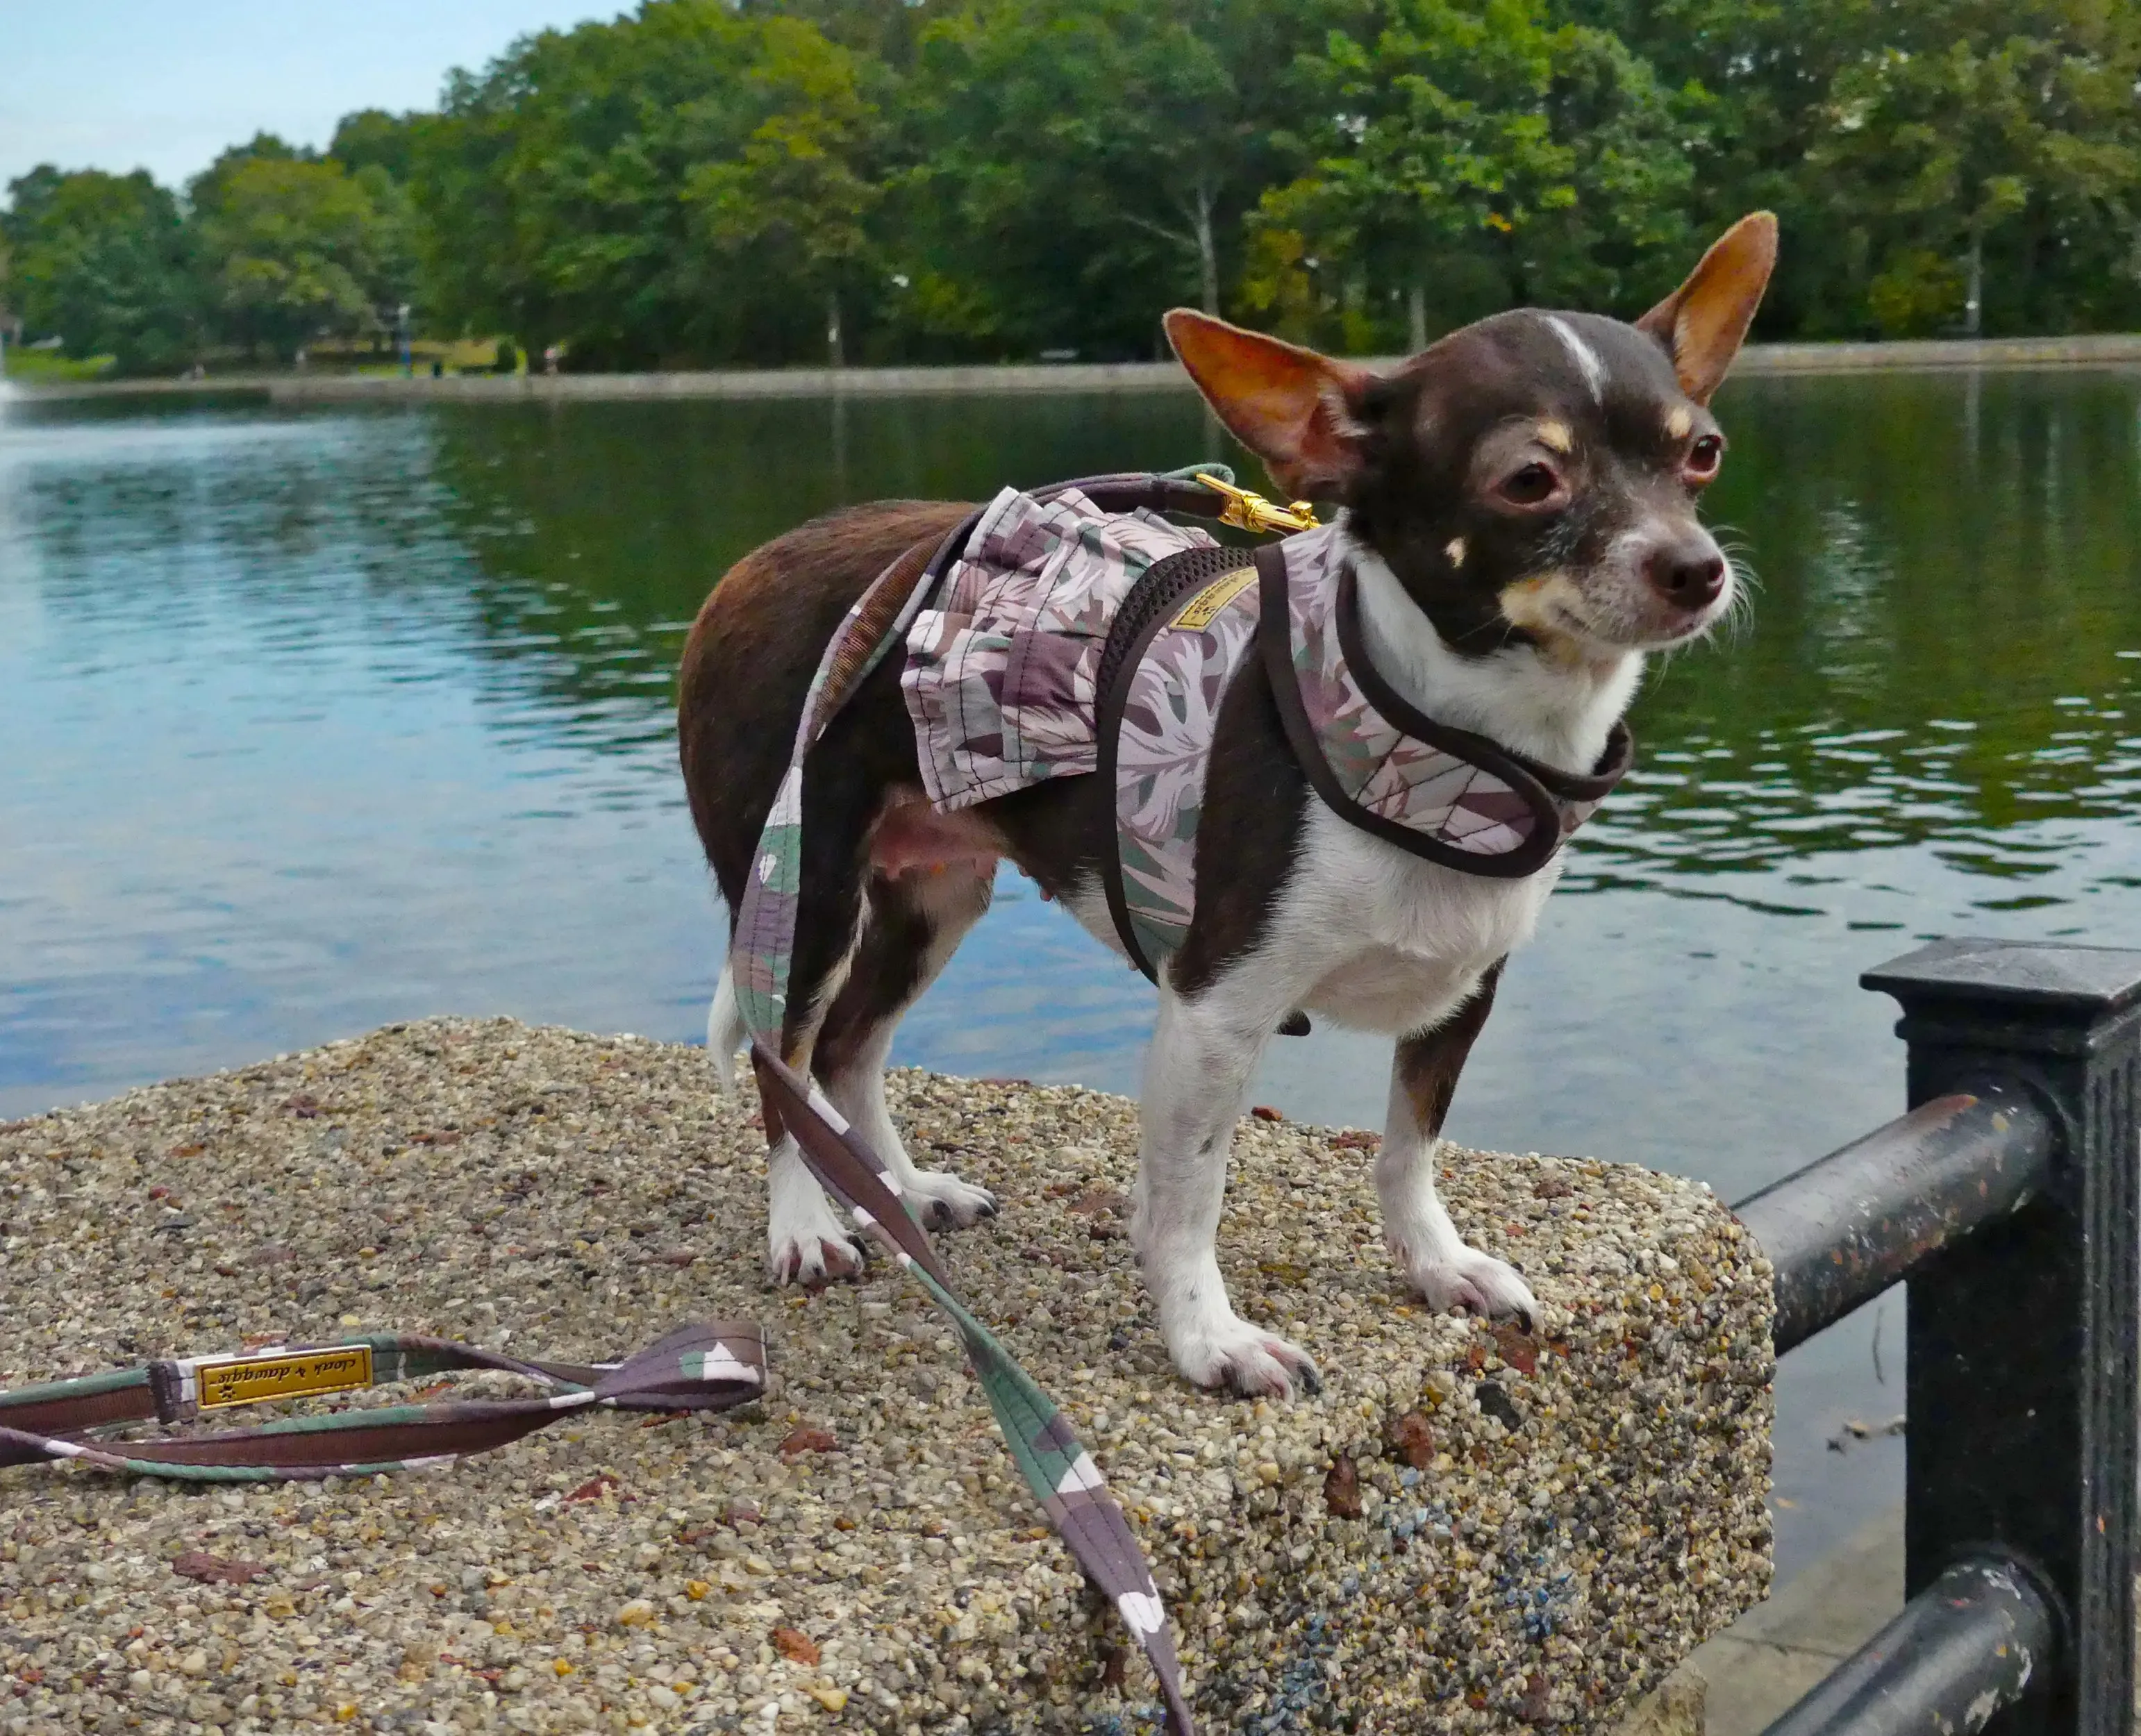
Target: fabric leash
x: 1060, y: 1472
x: 706, y: 1366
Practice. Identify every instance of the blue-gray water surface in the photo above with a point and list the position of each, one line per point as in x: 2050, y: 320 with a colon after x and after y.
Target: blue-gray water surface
x: 311, y: 721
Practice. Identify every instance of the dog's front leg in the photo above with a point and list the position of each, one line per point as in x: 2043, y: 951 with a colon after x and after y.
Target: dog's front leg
x: 1203, y: 1051
x: 1420, y: 1237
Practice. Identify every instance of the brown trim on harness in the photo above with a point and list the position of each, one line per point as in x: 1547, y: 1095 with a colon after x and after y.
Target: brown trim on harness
x: 1481, y: 750
x: 1536, y: 784
x: 1161, y: 590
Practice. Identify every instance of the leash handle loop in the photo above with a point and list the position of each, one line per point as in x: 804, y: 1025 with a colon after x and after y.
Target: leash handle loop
x: 705, y: 1365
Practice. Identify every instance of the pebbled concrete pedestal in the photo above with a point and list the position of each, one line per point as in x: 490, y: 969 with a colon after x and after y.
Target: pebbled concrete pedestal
x: 1472, y: 1528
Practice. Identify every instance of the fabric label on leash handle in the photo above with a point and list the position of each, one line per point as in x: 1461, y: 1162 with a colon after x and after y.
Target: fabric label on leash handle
x: 270, y: 1374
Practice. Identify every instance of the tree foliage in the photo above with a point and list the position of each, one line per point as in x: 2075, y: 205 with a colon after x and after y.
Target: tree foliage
x: 1472, y: 156
x: 790, y: 200
x: 1103, y: 154
x: 759, y: 182
x: 293, y: 247
x: 102, y: 261
x: 686, y: 183
x: 1975, y: 136
x: 374, y: 139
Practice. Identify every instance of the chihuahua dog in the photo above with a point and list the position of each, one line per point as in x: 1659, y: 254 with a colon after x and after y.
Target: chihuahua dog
x: 1519, y: 502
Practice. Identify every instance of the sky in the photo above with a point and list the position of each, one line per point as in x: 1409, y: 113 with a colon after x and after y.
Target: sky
x: 165, y: 85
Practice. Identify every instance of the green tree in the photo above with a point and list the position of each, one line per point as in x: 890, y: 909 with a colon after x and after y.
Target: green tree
x: 30, y: 197
x: 1472, y: 156
x: 379, y: 150
x: 1087, y: 162
x: 101, y: 262
x: 1624, y: 240
x: 1766, y: 67
x: 739, y: 181
x: 1993, y: 122
x: 572, y: 191
x: 793, y: 201
x: 887, y: 30
x: 206, y: 190
x: 1893, y: 131
x: 294, y: 249
x: 374, y: 139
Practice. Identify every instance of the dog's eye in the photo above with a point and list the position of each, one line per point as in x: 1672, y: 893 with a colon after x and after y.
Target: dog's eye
x: 1704, y: 457
x: 1531, y: 486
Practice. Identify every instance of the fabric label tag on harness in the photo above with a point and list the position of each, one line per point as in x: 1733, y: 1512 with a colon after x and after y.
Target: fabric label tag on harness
x: 1204, y: 608
x: 253, y: 1379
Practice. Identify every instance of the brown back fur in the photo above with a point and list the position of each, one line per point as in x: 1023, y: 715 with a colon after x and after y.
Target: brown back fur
x: 752, y: 652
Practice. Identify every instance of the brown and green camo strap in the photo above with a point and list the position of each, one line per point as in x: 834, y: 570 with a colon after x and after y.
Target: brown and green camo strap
x: 1059, y: 1471
x: 707, y: 1365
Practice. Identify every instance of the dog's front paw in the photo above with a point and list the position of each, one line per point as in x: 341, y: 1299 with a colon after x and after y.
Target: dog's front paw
x: 1472, y: 1283
x: 1231, y: 1354
x: 814, y: 1260
x: 806, y: 1241
x: 942, y: 1201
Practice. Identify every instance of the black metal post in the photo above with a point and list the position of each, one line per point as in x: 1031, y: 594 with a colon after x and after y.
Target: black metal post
x: 1964, y: 1649
x: 1844, y: 1228
x: 2025, y: 1371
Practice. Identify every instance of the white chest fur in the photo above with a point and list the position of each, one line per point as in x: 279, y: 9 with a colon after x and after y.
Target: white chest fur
x: 1379, y: 939
x: 1375, y: 938
x: 1367, y: 934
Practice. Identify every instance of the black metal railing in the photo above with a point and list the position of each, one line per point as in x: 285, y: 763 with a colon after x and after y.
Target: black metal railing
x: 2010, y: 1197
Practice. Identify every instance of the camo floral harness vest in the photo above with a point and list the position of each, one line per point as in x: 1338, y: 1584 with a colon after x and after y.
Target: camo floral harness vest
x: 1064, y: 640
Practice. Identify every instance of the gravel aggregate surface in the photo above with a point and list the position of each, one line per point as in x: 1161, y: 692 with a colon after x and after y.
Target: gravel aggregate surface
x: 1472, y: 1528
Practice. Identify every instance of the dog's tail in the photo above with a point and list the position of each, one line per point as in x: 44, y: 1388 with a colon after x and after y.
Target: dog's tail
x: 726, y: 1030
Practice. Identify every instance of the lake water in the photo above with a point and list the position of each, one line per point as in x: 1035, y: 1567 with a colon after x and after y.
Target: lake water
x: 311, y: 721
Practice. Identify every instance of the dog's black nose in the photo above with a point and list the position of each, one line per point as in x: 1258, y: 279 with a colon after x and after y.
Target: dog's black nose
x: 1688, y: 577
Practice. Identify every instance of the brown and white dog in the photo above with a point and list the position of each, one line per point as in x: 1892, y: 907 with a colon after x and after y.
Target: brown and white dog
x: 1520, y: 501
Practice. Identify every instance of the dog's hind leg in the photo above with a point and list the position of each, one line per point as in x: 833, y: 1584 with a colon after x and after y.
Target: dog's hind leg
x: 808, y: 1240
x: 915, y: 922
x: 726, y: 1029
x: 1416, y: 1228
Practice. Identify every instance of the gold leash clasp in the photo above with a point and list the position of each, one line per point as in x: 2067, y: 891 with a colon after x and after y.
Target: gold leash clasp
x: 1246, y: 510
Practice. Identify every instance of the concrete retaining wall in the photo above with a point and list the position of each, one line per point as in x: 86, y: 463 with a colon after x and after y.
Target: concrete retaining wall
x: 1470, y: 1530
x: 1941, y: 355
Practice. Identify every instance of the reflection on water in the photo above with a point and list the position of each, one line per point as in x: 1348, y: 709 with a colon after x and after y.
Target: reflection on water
x: 1944, y: 651
x: 315, y: 722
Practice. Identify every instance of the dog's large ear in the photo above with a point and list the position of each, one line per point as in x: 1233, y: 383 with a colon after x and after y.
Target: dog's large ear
x: 1294, y: 409
x: 1704, y: 321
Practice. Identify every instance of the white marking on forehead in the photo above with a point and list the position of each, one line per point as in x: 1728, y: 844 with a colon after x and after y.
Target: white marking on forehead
x: 1455, y: 551
x: 1585, y: 358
